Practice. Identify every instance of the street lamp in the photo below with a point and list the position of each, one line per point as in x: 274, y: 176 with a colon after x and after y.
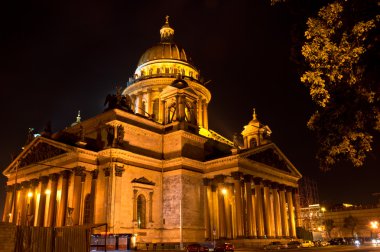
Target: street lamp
x: 373, y: 225
x: 30, y: 195
x: 224, y: 191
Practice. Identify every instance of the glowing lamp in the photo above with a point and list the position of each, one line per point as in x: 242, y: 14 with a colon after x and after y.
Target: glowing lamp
x: 224, y: 191
x: 374, y: 224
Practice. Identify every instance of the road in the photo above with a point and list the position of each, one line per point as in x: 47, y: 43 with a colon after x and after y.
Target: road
x: 322, y: 249
x: 363, y: 248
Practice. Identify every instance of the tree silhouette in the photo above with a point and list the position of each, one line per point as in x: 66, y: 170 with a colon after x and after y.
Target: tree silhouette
x: 350, y: 223
x: 342, y: 77
x: 329, y: 225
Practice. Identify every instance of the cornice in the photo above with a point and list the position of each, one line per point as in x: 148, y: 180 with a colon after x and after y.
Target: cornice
x: 187, y: 135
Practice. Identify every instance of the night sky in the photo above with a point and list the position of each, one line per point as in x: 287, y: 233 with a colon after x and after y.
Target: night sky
x: 58, y: 58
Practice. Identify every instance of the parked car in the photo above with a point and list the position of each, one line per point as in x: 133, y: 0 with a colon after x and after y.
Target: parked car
x: 276, y: 245
x: 196, y: 247
x: 324, y: 243
x: 294, y: 244
x: 307, y: 244
x: 337, y: 241
x: 223, y: 247
x: 321, y: 243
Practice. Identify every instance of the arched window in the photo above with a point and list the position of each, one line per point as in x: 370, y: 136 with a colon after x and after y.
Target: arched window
x: 87, y: 210
x: 141, y: 211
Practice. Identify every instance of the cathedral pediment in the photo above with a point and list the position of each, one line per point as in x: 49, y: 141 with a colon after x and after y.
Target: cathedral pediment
x: 271, y: 155
x: 40, y: 152
x: 143, y: 180
x: 37, y: 152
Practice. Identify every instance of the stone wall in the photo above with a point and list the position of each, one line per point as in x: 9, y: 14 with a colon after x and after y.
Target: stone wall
x: 183, y: 202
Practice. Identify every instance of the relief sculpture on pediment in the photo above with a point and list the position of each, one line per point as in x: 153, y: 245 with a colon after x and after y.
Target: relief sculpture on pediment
x: 40, y: 152
x: 271, y: 158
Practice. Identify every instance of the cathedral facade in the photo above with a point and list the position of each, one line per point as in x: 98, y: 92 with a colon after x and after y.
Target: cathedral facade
x: 149, y: 166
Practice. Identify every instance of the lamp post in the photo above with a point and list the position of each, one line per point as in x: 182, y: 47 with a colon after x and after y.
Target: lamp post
x: 30, y: 195
x: 323, y: 210
x: 373, y: 225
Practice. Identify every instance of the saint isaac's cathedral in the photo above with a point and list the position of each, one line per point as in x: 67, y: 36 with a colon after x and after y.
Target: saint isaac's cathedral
x: 149, y: 165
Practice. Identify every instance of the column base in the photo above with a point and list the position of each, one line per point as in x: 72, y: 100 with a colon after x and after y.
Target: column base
x: 271, y: 237
x: 261, y: 237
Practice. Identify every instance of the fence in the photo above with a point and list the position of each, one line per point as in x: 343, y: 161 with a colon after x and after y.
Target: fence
x: 45, y: 239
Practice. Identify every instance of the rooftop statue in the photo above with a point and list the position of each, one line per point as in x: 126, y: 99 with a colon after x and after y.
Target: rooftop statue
x: 118, y: 101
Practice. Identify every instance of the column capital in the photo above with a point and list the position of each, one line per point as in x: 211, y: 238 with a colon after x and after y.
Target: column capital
x: 34, y: 182
x: 44, y: 179
x: 237, y: 175
x: 25, y: 184
x: 9, y: 188
x: 119, y: 170
x: 95, y: 174
x: 17, y: 186
x: 54, y: 177
x: 107, y: 171
x: 214, y: 187
x: 219, y: 178
x: 281, y: 187
x: 207, y: 181
x: 290, y: 189
x: 248, y: 178
x: 267, y: 183
x: 257, y: 180
x: 78, y: 171
x: 275, y: 185
x: 65, y: 174
x: 83, y: 177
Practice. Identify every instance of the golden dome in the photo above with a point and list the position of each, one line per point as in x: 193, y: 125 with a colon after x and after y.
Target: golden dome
x: 163, y: 50
x: 254, y: 120
x: 166, y: 49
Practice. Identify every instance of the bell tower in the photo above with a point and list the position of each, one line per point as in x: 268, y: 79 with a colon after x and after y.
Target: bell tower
x: 255, y: 133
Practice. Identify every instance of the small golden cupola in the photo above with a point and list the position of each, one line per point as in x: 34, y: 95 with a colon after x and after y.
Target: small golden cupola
x: 255, y: 133
x: 167, y: 33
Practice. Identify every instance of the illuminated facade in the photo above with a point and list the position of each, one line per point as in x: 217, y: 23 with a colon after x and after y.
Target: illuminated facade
x: 152, y: 167
x: 363, y: 215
